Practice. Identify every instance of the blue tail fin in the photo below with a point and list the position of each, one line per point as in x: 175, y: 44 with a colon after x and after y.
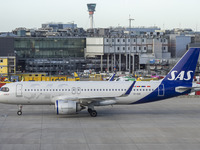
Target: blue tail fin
x: 183, y: 72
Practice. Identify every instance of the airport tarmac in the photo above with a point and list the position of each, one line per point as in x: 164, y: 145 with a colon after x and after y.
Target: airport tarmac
x: 173, y: 124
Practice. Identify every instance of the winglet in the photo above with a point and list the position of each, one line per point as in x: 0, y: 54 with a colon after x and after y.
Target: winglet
x: 112, y: 77
x: 129, y: 90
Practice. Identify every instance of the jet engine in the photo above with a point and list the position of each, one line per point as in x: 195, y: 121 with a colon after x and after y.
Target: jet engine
x: 66, y: 107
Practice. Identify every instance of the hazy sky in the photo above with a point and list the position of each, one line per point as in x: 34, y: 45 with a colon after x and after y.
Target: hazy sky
x: 166, y: 14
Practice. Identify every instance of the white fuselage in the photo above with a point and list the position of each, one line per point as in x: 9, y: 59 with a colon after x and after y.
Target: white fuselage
x: 46, y: 93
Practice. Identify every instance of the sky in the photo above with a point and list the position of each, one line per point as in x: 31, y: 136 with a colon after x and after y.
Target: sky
x: 166, y: 14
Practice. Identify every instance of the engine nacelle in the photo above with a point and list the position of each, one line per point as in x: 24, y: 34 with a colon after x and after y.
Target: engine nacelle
x: 66, y: 107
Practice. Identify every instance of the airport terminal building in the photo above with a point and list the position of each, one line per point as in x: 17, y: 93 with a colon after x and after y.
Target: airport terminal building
x: 42, y: 54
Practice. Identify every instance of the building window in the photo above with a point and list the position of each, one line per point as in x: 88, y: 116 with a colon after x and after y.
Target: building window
x: 133, y: 40
x: 142, y: 40
x: 145, y: 48
x: 118, y: 48
x: 139, y: 48
x: 124, y: 48
x: 123, y: 40
x: 106, y: 40
x: 118, y: 40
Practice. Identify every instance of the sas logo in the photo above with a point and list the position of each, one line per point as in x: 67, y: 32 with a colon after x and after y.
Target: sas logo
x: 181, y: 75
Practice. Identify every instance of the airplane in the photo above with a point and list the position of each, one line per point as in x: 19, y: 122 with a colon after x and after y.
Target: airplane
x: 74, y: 96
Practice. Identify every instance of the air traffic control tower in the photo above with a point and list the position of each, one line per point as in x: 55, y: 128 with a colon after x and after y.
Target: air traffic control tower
x: 91, y: 9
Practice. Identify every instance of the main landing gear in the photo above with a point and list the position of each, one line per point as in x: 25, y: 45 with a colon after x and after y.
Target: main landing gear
x: 19, y: 112
x: 93, y: 113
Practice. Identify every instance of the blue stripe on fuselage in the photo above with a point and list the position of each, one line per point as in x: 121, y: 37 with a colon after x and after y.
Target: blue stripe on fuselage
x: 152, y: 97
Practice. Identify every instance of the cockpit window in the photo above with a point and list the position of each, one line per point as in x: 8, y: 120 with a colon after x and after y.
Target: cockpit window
x: 5, y: 89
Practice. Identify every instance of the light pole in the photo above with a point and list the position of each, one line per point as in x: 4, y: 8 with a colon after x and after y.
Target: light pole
x: 130, y: 19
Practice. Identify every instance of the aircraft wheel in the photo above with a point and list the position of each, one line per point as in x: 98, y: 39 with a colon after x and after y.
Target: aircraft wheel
x: 19, y: 113
x: 93, y: 113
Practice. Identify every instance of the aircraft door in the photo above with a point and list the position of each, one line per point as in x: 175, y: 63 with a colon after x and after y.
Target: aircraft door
x: 18, y: 90
x: 161, y: 90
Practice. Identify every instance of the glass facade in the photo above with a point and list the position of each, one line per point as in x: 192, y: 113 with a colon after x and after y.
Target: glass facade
x: 50, y: 55
x: 49, y: 47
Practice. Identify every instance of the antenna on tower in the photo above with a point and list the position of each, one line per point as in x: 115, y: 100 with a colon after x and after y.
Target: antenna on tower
x: 91, y: 9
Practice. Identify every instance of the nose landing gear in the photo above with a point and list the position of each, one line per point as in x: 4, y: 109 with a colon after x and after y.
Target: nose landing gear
x: 19, y: 112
